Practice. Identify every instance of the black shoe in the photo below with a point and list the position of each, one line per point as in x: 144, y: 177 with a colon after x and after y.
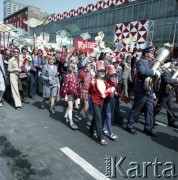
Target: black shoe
x: 150, y: 132
x: 175, y: 116
x: 131, y: 131
x: 75, y: 109
x: 173, y: 124
x: 52, y: 110
x: 92, y: 135
x: 32, y: 97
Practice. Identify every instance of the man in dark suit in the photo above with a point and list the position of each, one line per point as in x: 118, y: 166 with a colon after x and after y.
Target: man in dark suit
x: 141, y: 96
x: 165, y: 97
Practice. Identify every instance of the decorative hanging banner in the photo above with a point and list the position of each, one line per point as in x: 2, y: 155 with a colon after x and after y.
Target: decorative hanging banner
x: 85, y: 36
x: 85, y: 45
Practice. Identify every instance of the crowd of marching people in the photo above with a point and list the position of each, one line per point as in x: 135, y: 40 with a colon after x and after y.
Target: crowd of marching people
x: 97, y: 84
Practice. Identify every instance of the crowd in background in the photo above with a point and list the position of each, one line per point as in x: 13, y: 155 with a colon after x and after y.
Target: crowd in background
x: 97, y: 84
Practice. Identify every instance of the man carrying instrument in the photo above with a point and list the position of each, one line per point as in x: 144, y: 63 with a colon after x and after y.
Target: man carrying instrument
x: 165, y: 94
x: 141, y: 96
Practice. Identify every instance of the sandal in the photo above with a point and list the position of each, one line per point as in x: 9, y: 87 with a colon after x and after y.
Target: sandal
x: 102, y: 142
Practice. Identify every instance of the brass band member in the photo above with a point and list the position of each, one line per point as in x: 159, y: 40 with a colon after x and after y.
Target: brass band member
x: 141, y: 96
x: 165, y: 97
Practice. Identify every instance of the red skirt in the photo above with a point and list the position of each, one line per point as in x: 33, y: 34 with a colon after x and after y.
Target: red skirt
x: 84, y: 94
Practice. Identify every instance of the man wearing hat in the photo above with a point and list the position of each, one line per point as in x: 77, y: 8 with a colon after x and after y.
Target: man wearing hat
x: 141, y: 96
x: 165, y: 96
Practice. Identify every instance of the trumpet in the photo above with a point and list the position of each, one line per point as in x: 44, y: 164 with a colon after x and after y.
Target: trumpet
x: 163, y: 54
x: 170, y: 88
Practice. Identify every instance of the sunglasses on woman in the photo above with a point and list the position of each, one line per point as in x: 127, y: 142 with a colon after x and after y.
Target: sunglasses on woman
x: 16, y: 51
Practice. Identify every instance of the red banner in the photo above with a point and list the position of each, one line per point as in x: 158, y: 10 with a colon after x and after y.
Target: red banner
x: 85, y: 45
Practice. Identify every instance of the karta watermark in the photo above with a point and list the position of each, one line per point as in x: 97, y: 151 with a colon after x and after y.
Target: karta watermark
x: 114, y: 168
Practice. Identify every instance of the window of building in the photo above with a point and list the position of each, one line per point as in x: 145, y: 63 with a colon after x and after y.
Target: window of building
x: 155, y: 9
x: 158, y: 32
x: 141, y: 12
x: 169, y: 8
x: 104, y: 17
x: 95, y: 20
x: 161, y: 10
x: 124, y: 15
x: 114, y: 17
x: 99, y: 19
x: 120, y: 16
x: 129, y: 13
x: 148, y: 10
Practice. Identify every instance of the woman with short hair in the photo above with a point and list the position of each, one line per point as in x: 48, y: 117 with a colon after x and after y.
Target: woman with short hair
x: 14, y: 70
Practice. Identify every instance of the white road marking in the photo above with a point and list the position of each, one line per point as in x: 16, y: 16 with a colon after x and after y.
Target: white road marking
x: 84, y: 164
x: 161, y: 124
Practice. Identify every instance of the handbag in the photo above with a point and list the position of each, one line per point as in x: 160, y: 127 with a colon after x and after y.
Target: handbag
x: 22, y: 75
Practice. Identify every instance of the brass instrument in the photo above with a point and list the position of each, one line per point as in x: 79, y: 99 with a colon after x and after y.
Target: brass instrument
x: 170, y: 88
x: 163, y: 54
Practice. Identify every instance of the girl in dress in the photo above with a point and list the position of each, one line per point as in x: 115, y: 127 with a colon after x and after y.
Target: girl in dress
x: 85, y: 80
x: 69, y: 93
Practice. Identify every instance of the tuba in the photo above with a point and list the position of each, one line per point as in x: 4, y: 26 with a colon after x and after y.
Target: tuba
x: 170, y: 88
x: 163, y: 54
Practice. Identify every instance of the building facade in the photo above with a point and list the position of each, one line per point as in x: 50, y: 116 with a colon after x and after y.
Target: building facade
x: 12, y: 6
x: 104, y: 15
x: 17, y: 19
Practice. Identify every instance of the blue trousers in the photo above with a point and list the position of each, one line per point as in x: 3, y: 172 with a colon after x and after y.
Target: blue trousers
x: 33, y: 83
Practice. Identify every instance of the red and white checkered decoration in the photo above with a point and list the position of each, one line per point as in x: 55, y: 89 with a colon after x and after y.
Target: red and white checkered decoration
x: 136, y: 29
x: 89, y: 8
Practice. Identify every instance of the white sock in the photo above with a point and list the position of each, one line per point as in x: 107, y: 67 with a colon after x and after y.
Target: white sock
x: 67, y: 113
x: 70, y: 117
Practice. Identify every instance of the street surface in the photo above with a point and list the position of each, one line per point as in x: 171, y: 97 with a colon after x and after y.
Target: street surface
x: 36, y: 145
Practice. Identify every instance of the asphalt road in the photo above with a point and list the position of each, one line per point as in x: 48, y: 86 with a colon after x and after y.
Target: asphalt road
x: 35, y: 145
